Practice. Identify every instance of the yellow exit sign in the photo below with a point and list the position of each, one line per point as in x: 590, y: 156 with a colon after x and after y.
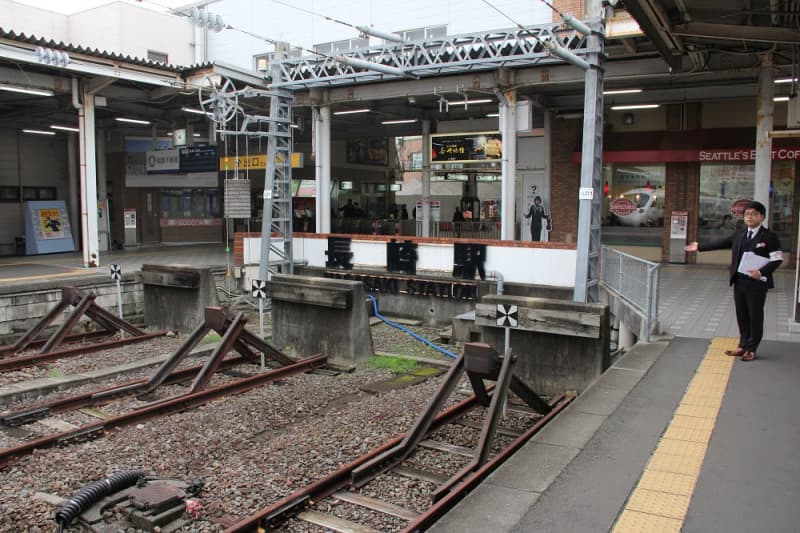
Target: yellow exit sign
x: 255, y: 162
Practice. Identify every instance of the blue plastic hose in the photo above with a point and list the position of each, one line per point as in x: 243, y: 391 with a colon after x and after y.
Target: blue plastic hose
x: 406, y: 330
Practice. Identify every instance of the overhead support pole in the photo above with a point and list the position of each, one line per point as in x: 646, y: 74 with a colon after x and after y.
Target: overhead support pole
x: 368, y: 65
x: 386, y: 36
x: 587, y: 268
x: 566, y: 55
x: 764, y: 123
x: 426, y: 178
x: 508, y: 164
x: 324, y: 155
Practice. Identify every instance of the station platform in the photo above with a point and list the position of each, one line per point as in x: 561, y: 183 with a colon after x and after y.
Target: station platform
x: 675, y: 436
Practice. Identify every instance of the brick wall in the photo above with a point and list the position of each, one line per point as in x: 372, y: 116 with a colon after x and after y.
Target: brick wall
x: 573, y: 7
x: 564, y: 179
x: 682, y: 186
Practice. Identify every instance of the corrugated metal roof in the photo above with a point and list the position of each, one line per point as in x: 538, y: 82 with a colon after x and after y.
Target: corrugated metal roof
x: 94, y: 52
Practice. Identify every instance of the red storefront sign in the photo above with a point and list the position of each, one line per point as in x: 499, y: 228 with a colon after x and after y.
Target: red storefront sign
x: 714, y: 155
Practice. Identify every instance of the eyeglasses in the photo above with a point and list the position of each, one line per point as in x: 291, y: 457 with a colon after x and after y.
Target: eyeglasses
x: 752, y: 213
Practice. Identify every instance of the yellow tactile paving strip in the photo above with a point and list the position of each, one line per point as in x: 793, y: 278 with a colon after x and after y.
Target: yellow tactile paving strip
x: 661, y: 498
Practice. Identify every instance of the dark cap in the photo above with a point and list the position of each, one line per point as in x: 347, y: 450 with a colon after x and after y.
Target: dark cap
x: 758, y: 206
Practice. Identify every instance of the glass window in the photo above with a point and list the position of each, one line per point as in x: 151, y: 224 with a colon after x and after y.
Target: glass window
x: 725, y: 189
x: 633, y: 204
x: 191, y: 203
x: 157, y: 57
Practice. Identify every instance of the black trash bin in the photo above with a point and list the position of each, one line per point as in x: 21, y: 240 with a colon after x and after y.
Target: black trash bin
x: 19, y: 246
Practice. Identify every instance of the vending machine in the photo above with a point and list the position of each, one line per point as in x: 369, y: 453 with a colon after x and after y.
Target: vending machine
x: 677, y: 236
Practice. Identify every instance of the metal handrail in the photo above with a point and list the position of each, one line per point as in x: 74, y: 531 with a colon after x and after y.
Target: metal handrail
x: 634, y: 280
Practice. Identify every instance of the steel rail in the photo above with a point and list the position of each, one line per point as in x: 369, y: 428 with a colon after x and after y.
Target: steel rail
x: 10, y: 348
x: 457, y: 492
x: 320, y: 489
x: 14, y: 363
x: 101, y: 396
x: 161, y: 408
x: 297, y: 501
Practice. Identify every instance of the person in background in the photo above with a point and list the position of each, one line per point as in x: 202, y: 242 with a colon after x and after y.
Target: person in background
x: 458, y: 221
x: 755, y: 254
x: 536, y: 213
x: 403, y: 212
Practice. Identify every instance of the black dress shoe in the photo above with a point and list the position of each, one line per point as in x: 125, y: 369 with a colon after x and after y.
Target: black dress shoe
x: 736, y: 353
x: 749, y: 356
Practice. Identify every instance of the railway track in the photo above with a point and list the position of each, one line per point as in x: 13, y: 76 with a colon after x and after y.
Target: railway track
x: 10, y: 361
x: 155, y: 396
x: 444, y: 455
x: 86, y: 404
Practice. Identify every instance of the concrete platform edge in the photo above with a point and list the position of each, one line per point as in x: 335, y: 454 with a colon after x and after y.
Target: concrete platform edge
x: 514, y: 488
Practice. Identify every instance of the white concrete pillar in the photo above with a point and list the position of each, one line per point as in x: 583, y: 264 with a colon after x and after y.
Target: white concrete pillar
x: 88, y: 181
x: 74, y: 189
x: 764, y: 122
x: 103, y: 224
x: 426, y: 178
x: 322, y: 142
x: 508, y: 131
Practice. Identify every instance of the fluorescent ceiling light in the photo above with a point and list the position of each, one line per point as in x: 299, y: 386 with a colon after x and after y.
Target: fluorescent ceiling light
x: 195, y: 135
x: 784, y: 80
x: 492, y: 115
x: 40, y: 132
x: 466, y: 102
x: 781, y: 99
x: 295, y: 126
x: 400, y: 121
x: 194, y: 111
x: 352, y: 111
x: 132, y: 120
x: 64, y: 128
x: 638, y: 106
x: 25, y: 90
x: 623, y: 91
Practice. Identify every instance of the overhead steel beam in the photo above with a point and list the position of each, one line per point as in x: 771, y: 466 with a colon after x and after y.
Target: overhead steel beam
x: 731, y: 32
x: 450, y: 55
x: 655, y: 23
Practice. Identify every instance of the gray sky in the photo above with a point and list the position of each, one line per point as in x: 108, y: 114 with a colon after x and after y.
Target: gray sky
x: 73, y: 6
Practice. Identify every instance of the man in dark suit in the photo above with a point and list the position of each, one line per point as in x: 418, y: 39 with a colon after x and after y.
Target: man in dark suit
x: 755, y: 254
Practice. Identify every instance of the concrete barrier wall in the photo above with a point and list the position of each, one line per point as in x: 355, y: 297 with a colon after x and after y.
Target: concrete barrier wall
x: 561, y: 346
x: 23, y: 306
x: 320, y: 316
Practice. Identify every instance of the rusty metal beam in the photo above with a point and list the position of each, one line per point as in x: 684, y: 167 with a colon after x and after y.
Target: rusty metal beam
x: 56, y: 338
x: 383, y: 462
x: 212, y: 363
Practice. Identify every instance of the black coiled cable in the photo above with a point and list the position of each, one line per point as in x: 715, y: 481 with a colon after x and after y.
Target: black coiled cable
x: 87, y: 496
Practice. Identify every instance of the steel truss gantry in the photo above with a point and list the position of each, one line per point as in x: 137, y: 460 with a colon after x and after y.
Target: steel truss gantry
x: 221, y: 104
x: 454, y: 54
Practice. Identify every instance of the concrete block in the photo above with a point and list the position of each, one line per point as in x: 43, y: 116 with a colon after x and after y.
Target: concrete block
x: 551, y: 360
x: 175, y: 296
x: 307, y: 324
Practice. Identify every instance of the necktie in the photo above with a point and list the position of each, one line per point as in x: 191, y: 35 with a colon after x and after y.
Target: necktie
x: 750, y: 235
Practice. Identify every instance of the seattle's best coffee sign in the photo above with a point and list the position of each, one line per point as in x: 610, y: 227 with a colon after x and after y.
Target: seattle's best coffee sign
x: 781, y: 154
x: 715, y: 155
